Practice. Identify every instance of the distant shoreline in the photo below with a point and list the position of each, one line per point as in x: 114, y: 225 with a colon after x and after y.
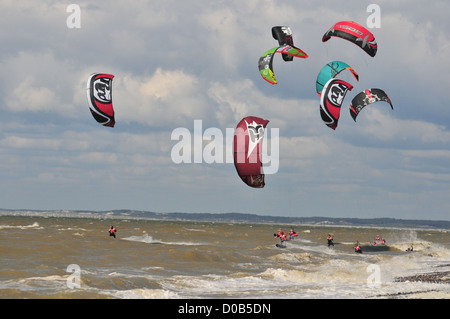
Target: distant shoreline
x: 234, y: 218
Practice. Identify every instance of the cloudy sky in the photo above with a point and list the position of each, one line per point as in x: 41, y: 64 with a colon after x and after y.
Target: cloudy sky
x: 176, y: 62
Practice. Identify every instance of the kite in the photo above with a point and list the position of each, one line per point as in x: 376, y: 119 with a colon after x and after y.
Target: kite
x: 355, y: 33
x: 247, y: 146
x: 331, y: 70
x: 99, y: 94
x: 331, y: 100
x: 287, y: 49
x: 266, y: 60
x: 365, y: 98
x: 284, y: 36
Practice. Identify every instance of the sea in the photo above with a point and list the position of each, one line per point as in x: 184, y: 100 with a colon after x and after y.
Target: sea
x: 53, y: 256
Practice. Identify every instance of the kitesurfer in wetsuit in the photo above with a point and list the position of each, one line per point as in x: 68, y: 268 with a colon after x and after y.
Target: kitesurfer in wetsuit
x: 112, y: 231
x: 280, y: 232
x: 358, y: 248
x: 292, y: 234
x: 283, y: 240
x: 330, y: 240
x: 282, y: 237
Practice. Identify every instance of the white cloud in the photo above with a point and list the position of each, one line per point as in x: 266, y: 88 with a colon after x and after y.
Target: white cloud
x: 38, y: 82
x: 21, y: 142
x: 378, y: 122
x: 29, y: 96
x: 164, y: 99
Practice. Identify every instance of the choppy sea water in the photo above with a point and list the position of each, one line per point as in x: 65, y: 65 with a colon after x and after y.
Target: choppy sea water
x: 60, y: 257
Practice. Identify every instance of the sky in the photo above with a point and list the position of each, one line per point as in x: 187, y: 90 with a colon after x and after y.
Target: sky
x: 177, y: 63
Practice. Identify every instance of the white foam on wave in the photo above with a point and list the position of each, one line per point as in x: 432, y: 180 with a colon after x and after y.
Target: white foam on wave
x: 237, y: 284
x: 196, y: 230
x: 291, y: 257
x: 35, y: 225
x: 142, y: 293
x: 147, y: 239
x: 319, y: 249
x: 271, y: 283
x: 52, y: 278
x: 72, y: 229
x: 182, y: 243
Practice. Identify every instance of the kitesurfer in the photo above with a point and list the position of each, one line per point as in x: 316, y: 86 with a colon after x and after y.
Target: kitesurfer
x: 410, y: 248
x: 279, y: 234
x: 112, y: 231
x: 283, y: 240
x: 330, y: 240
x: 358, y: 248
x: 282, y: 237
x: 292, y: 234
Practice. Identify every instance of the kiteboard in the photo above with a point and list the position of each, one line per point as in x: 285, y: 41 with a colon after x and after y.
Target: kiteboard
x: 280, y: 246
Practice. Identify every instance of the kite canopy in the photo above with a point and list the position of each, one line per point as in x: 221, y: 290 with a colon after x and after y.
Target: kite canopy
x: 365, y: 98
x: 247, y: 145
x: 331, y: 70
x: 287, y: 49
x: 265, y: 64
x: 99, y: 94
x: 284, y: 36
x: 331, y: 100
x: 355, y: 33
